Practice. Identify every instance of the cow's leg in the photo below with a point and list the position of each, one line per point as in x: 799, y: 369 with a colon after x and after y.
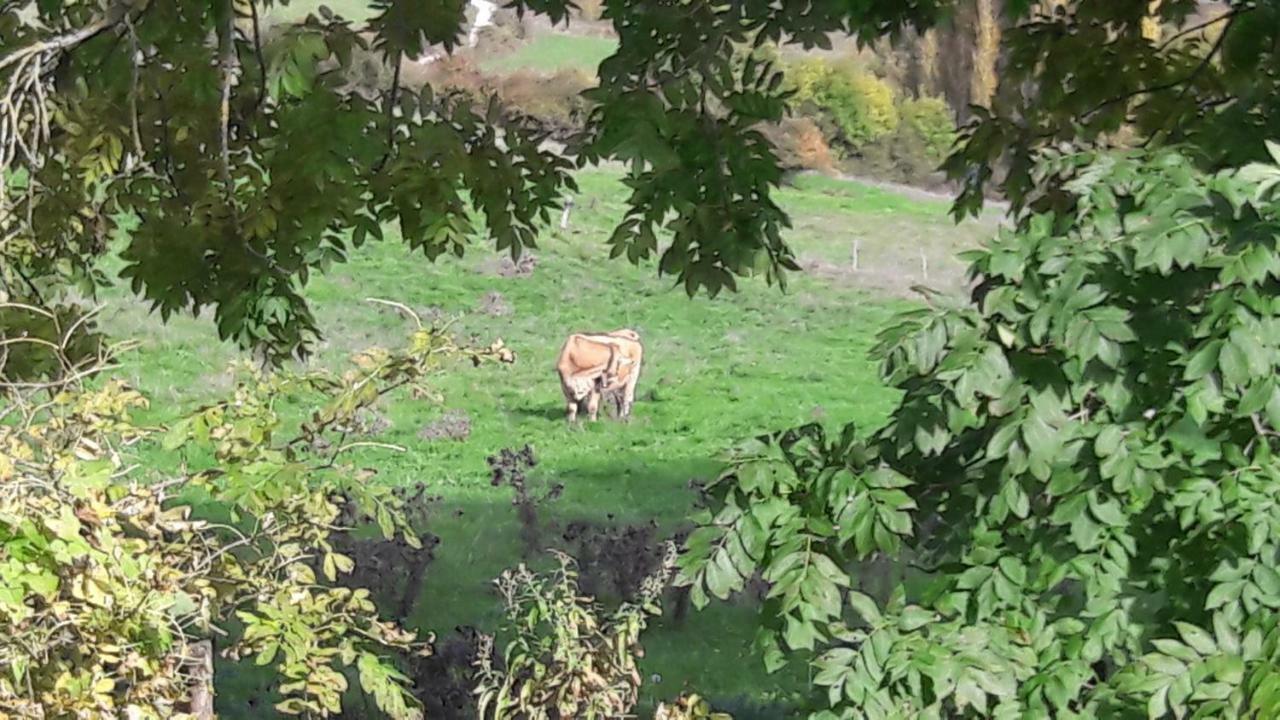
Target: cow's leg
x: 629, y: 392
x: 593, y: 405
x: 571, y: 410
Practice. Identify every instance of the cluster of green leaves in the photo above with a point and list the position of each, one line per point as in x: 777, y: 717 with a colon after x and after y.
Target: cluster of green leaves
x: 789, y: 510
x: 250, y: 164
x: 110, y: 573
x: 1084, y: 462
x: 563, y: 659
x: 234, y: 201
x: 1088, y: 71
x: 247, y: 164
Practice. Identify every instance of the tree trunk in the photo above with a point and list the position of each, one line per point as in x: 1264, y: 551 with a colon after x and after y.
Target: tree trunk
x: 986, y: 53
x: 928, y: 59
x: 200, y: 661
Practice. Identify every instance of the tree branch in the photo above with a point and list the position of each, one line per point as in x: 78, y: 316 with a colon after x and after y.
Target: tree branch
x: 228, y: 62
x: 114, y: 15
x: 392, y: 97
x: 1225, y: 17
x: 1183, y: 83
x: 257, y: 51
x: 135, y: 78
x: 1208, y: 58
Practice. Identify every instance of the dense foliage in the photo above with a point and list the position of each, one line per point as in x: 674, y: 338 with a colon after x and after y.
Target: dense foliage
x: 1083, y: 70
x: 1081, y: 470
x: 112, y: 572
x: 176, y: 112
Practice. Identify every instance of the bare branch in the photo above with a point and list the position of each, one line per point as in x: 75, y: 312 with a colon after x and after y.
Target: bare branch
x: 135, y: 52
x: 114, y: 15
x: 399, y: 306
x: 229, y: 63
x: 393, y: 96
x: 1225, y: 17
x: 257, y: 51
x: 1184, y: 83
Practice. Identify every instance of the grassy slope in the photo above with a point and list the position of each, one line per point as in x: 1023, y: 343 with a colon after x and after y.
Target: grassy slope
x: 553, y: 51
x: 716, y: 370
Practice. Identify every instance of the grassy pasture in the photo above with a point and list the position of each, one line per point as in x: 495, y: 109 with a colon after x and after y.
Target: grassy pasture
x: 549, y: 52
x: 716, y: 370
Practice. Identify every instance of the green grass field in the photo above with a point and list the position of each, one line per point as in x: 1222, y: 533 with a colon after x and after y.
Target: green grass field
x: 715, y: 371
x: 550, y: 52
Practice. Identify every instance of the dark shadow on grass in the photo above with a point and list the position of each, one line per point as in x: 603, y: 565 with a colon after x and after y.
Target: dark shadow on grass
x: 480, y: 537
x: 540, y: 412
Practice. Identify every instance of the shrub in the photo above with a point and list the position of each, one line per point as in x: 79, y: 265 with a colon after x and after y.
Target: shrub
x: 565, y: 659
x: 914, y: 152
x: 800, y: 145
x: 590, y: 10
x: 929, y: 122
x: 857, y: 104
x: 554, y: 100
x: 112, y: 579
x: 451, y: 73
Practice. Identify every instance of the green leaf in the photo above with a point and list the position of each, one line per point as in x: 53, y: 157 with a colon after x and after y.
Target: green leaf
x: 1014, y: 570
x: 1204, y: 360
x: 1199, y: 640
x: 1157, y: 704
x: 1234, y: 365
x: 1108, y: 511
x: 864, y: 606
x: 914, y: 617
x: 1223, y: 593
x: 1268, y: 580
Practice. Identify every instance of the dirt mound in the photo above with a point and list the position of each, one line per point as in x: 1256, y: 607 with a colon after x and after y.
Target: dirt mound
x: 453, y: 425
x: 505, y: 267
x: 494, y: 304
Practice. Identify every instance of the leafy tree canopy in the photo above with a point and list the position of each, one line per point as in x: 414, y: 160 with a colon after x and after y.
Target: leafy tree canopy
x: 246, y: 165
x: 1081, y: 473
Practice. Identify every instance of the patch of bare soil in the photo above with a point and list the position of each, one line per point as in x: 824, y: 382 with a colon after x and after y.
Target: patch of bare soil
x: 453, y: 425
x: 494, y: 304
x: 505, y: 267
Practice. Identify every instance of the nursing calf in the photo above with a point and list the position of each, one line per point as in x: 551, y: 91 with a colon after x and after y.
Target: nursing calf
x: 592, y: 364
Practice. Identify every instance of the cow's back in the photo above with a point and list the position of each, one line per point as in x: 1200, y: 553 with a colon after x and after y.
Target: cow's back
x: 580, y: 353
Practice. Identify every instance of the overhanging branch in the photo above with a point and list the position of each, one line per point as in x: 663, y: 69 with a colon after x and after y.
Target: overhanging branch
x: 115, y: 14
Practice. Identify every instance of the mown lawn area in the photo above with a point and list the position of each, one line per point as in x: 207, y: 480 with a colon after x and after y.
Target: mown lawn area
x: 716, y: 370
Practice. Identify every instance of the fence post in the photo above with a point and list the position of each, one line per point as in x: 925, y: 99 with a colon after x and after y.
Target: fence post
x: 564, y: 217
x: 924, y: 265
x: 856, y: 253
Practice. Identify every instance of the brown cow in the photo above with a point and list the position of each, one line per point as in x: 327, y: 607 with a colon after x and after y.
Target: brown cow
x: 592, y: 364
